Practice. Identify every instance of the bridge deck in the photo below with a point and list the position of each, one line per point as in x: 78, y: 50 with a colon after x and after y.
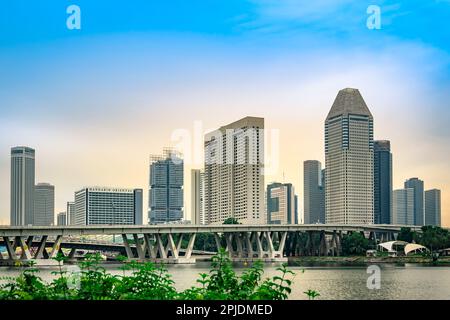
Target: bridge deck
x: 172, y: 229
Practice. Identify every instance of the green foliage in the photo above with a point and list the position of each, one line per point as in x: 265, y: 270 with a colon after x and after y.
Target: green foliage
x: 231, y: 221
x: 354, y: 244
x: 223, y: 284
x: 312, y: 294
x: 205, y: 242
x: 406, y: 234
x: 145, y: 281
x: 434, y: 238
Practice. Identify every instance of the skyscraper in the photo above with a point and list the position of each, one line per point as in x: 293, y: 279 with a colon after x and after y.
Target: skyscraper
x: 166, y: 187
x: 382, y: 182
x: 281, y: 204
x: 433, y: 207
x: 419, y: 198
x: 22, y: 186
x: 61, y: 219
x: 313, y: 192
x: 197, y: 181
x: 103, y: 205
x: 403, y: 206
x: 70, y: 212
x: 234, y: 181
x: 349, y: 160
x: 44, y: 205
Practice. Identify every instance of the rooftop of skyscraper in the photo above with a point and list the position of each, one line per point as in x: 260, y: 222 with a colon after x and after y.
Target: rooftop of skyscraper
x: 349, y: 101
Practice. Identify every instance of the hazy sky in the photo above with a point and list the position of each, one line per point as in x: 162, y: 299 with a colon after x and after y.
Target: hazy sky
x: 96, y: 102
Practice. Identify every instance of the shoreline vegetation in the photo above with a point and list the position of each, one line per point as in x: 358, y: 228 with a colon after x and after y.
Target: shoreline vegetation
x: 363, y: 260
x: 148, y: 281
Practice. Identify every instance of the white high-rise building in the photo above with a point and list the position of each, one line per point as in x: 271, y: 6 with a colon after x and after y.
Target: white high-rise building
x: 349, y: 179
x: 44, y: 205
x: 234, y: 180
x: 197, y: 196
x: 103, y: 205
x: 22, y: 186
x: 403, y: 206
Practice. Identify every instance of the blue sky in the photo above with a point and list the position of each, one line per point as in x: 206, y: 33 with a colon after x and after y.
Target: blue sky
x: 137, y: 70
x: 24, y: 22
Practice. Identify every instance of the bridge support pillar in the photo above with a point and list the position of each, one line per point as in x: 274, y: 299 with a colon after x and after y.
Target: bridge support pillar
x: 335, y: 246
x: 265, y: 246
x: 323, y: 248
x: 163, y: 250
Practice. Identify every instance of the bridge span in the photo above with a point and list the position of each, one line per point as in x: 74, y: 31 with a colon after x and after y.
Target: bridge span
x: 174, y: 243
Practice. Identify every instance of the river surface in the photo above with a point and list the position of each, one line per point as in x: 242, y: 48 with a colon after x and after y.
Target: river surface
x: 410, y: 281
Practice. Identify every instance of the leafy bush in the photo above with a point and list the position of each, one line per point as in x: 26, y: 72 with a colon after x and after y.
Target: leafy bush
x: 223, y: 284
x: 354, y: 244
x: 148, y: 282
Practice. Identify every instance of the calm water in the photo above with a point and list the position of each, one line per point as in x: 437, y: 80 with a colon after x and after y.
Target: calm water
x: 410, y: 282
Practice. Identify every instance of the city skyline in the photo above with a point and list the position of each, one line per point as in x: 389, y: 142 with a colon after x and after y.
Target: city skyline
x: 101, y: 99
x: 351, y: 111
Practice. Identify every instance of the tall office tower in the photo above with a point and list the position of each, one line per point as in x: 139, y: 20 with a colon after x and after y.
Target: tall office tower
x: 70, y: 211
x: 197, y: 187
x: 44, y: 205
x: 22, y: 186
x: 349, y: 160
x: 433, y: 207
x: 403, y: 206
x: 234, y: 180
x: 61, y: 219
x: 166, y: 187
x: 382, y: 182
x: 281, y: 208
x: 296, y: 209
x: 419, y: 199
x: 102, y: 205
x: 313, y: 192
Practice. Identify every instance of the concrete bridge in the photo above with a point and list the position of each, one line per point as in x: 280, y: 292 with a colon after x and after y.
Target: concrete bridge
x: 164, y: 243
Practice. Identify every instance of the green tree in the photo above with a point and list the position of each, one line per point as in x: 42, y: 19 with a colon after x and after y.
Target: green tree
x: 434, y: 238
x: 231, y: 220
x: 205, y: 242
x: 406, y: 234
x: 354, y: 244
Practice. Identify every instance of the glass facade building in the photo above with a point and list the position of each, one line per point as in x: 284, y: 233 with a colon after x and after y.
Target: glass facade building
x: 166, y: 188
x: 382, y: 182
x: 433, y: 207
x: 313, y: 192
x: 419, y: 198
x: 61, y: 219
x: 403, y: 206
